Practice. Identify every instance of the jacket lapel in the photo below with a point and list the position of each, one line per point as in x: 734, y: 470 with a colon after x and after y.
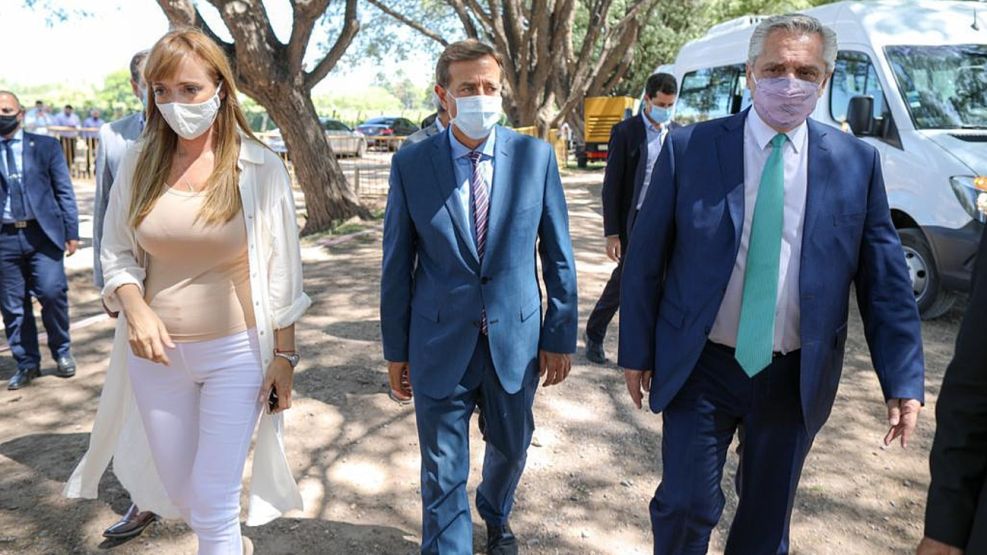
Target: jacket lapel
x: 500, y: 194
x: 445, y: 180
x: 29, y: 165
x: 730, y: 152
x: 819, y: 170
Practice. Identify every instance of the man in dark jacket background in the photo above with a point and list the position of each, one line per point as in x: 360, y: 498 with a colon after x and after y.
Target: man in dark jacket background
x: 632, y: 153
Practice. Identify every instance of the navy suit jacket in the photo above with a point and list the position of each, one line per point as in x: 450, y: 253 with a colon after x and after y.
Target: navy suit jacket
x: 682, y: 252
x: 627, y: 156
x: 433, y: 286
x: 46, y: 182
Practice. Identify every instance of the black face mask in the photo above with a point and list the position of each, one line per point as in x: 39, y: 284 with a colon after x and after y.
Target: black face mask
x: 8, y: 124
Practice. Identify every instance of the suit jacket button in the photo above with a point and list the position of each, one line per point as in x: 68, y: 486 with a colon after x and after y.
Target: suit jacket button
x: 706, y: 330
x: 484, y: 280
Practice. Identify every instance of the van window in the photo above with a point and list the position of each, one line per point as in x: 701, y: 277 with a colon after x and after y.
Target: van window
x: 944, y: 87
x: 854, y: 75
x: 710, y: 93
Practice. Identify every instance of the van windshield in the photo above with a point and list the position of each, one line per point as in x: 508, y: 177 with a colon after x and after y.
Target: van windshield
x: 944, y: 87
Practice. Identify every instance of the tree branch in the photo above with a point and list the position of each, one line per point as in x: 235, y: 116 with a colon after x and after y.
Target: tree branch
x: 183, y: 13
x: 350, y: 27
x: 304, y: 15
x: 409, y: 22
x: 465, y: 19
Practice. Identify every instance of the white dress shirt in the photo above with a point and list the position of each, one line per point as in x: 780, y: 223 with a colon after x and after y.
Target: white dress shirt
x: 655, y: 137
x: 757, y: 148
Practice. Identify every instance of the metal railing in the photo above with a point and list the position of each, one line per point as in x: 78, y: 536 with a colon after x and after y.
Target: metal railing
x: 78, y: 148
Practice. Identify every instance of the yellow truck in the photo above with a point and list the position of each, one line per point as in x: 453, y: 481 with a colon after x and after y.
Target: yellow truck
x: 601, y: 114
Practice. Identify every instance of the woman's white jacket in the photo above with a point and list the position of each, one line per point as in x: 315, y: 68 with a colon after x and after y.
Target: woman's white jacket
x: 276, y: 288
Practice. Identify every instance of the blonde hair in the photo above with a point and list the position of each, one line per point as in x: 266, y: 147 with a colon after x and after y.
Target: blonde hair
x: 222, y: 202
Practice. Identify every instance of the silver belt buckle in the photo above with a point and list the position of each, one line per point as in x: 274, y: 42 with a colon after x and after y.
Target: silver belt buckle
x: 20, y: 225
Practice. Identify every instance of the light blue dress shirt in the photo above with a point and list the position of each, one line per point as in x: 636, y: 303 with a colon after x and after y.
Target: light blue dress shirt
x: 17, y: 143
x: 464, y: 171
x: 655, y: 139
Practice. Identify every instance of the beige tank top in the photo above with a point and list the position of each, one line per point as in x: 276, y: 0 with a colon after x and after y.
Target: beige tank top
x: 198, y: 276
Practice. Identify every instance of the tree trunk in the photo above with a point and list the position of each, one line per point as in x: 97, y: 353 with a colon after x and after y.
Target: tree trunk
x: 328, y: 197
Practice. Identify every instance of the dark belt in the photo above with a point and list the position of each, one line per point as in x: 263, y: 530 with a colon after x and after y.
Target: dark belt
x: 733, y: 351
x: 19, y: 225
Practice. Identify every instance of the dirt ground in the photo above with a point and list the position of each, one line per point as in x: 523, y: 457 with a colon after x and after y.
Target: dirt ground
x: 592, y: 469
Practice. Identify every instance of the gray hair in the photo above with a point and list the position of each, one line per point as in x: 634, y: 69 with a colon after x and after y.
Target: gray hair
x: 799, y: 24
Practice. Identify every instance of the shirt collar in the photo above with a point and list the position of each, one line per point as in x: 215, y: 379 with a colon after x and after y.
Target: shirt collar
x: 763, y: 133
x: 459, y: 150
x: 18, y: 137
x: 250, y: 150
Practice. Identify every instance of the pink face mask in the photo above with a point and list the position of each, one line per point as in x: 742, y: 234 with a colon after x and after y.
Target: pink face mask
x: 784, y: 103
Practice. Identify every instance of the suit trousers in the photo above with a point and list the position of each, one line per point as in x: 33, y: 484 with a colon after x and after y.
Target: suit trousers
x: 506, y: 421
x: 699, y: 425
x: 32, y: 266
x: 606, y: 307
x: 199, y: 414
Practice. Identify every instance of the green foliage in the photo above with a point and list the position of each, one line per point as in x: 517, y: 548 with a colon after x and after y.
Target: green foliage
x: 117, y: 96
x: 676, y: 22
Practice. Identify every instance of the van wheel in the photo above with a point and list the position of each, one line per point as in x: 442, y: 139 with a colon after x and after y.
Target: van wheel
x: 933, y: 301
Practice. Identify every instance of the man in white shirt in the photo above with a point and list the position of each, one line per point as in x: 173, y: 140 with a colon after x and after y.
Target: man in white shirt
x: 735, y: 296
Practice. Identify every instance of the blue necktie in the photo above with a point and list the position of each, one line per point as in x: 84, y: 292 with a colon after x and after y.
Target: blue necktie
x: 14, y: 189
x: 756, y: 332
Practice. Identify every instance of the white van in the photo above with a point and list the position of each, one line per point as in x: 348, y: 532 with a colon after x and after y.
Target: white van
x: 912, y: 75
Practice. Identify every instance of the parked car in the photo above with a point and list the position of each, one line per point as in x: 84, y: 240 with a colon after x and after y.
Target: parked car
x: 379, y: 131
x: 344, y: 141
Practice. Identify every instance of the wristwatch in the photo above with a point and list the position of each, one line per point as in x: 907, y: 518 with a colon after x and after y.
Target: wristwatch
x: 291, y: 356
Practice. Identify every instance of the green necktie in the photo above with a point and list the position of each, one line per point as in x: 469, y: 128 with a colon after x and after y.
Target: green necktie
x: 755, y: 334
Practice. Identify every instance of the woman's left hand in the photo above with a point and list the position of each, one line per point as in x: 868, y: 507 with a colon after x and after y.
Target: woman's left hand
x: 279, y: 376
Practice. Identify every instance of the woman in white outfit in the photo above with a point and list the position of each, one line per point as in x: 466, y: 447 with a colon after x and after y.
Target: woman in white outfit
x: 201, y: 255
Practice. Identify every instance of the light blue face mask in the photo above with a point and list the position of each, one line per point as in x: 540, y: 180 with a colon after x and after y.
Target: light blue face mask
x: 660, y: 115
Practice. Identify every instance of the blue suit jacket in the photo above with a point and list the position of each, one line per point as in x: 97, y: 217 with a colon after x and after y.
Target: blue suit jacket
x: 683, y: 247
x: 433, y: 287
x: 45, y: 177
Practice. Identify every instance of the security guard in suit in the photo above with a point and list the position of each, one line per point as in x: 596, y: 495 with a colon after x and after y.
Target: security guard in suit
x: 40, y: 225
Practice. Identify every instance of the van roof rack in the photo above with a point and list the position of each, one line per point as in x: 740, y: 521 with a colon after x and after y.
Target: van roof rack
x: 743, y: 22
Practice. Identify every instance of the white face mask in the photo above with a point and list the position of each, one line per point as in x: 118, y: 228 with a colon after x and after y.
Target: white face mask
x: 191, y: 120
x: 476, y: 116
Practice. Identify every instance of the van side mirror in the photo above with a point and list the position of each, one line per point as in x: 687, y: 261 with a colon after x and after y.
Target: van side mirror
x: 860, y: 115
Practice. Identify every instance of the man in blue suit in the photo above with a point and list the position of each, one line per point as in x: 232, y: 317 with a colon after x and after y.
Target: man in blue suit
x: 460, y: 299
x: 633, y: 151
x: 40, y: 226
x: 736, y: 292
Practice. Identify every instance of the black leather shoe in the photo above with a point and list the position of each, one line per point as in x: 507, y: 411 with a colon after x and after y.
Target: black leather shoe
x: 501, y: 540
x: 23, y: 377
x: 595, y: 352
x: 66, y: 367
x: 131, y: 524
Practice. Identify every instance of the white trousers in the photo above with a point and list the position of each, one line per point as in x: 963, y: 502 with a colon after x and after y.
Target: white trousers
x: 199, y: 415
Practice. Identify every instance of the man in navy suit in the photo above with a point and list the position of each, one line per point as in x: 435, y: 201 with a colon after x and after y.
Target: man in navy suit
x: 633, y: 151
x: 40, y: 226
x: 460, y: 299
x: 736, y: 294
